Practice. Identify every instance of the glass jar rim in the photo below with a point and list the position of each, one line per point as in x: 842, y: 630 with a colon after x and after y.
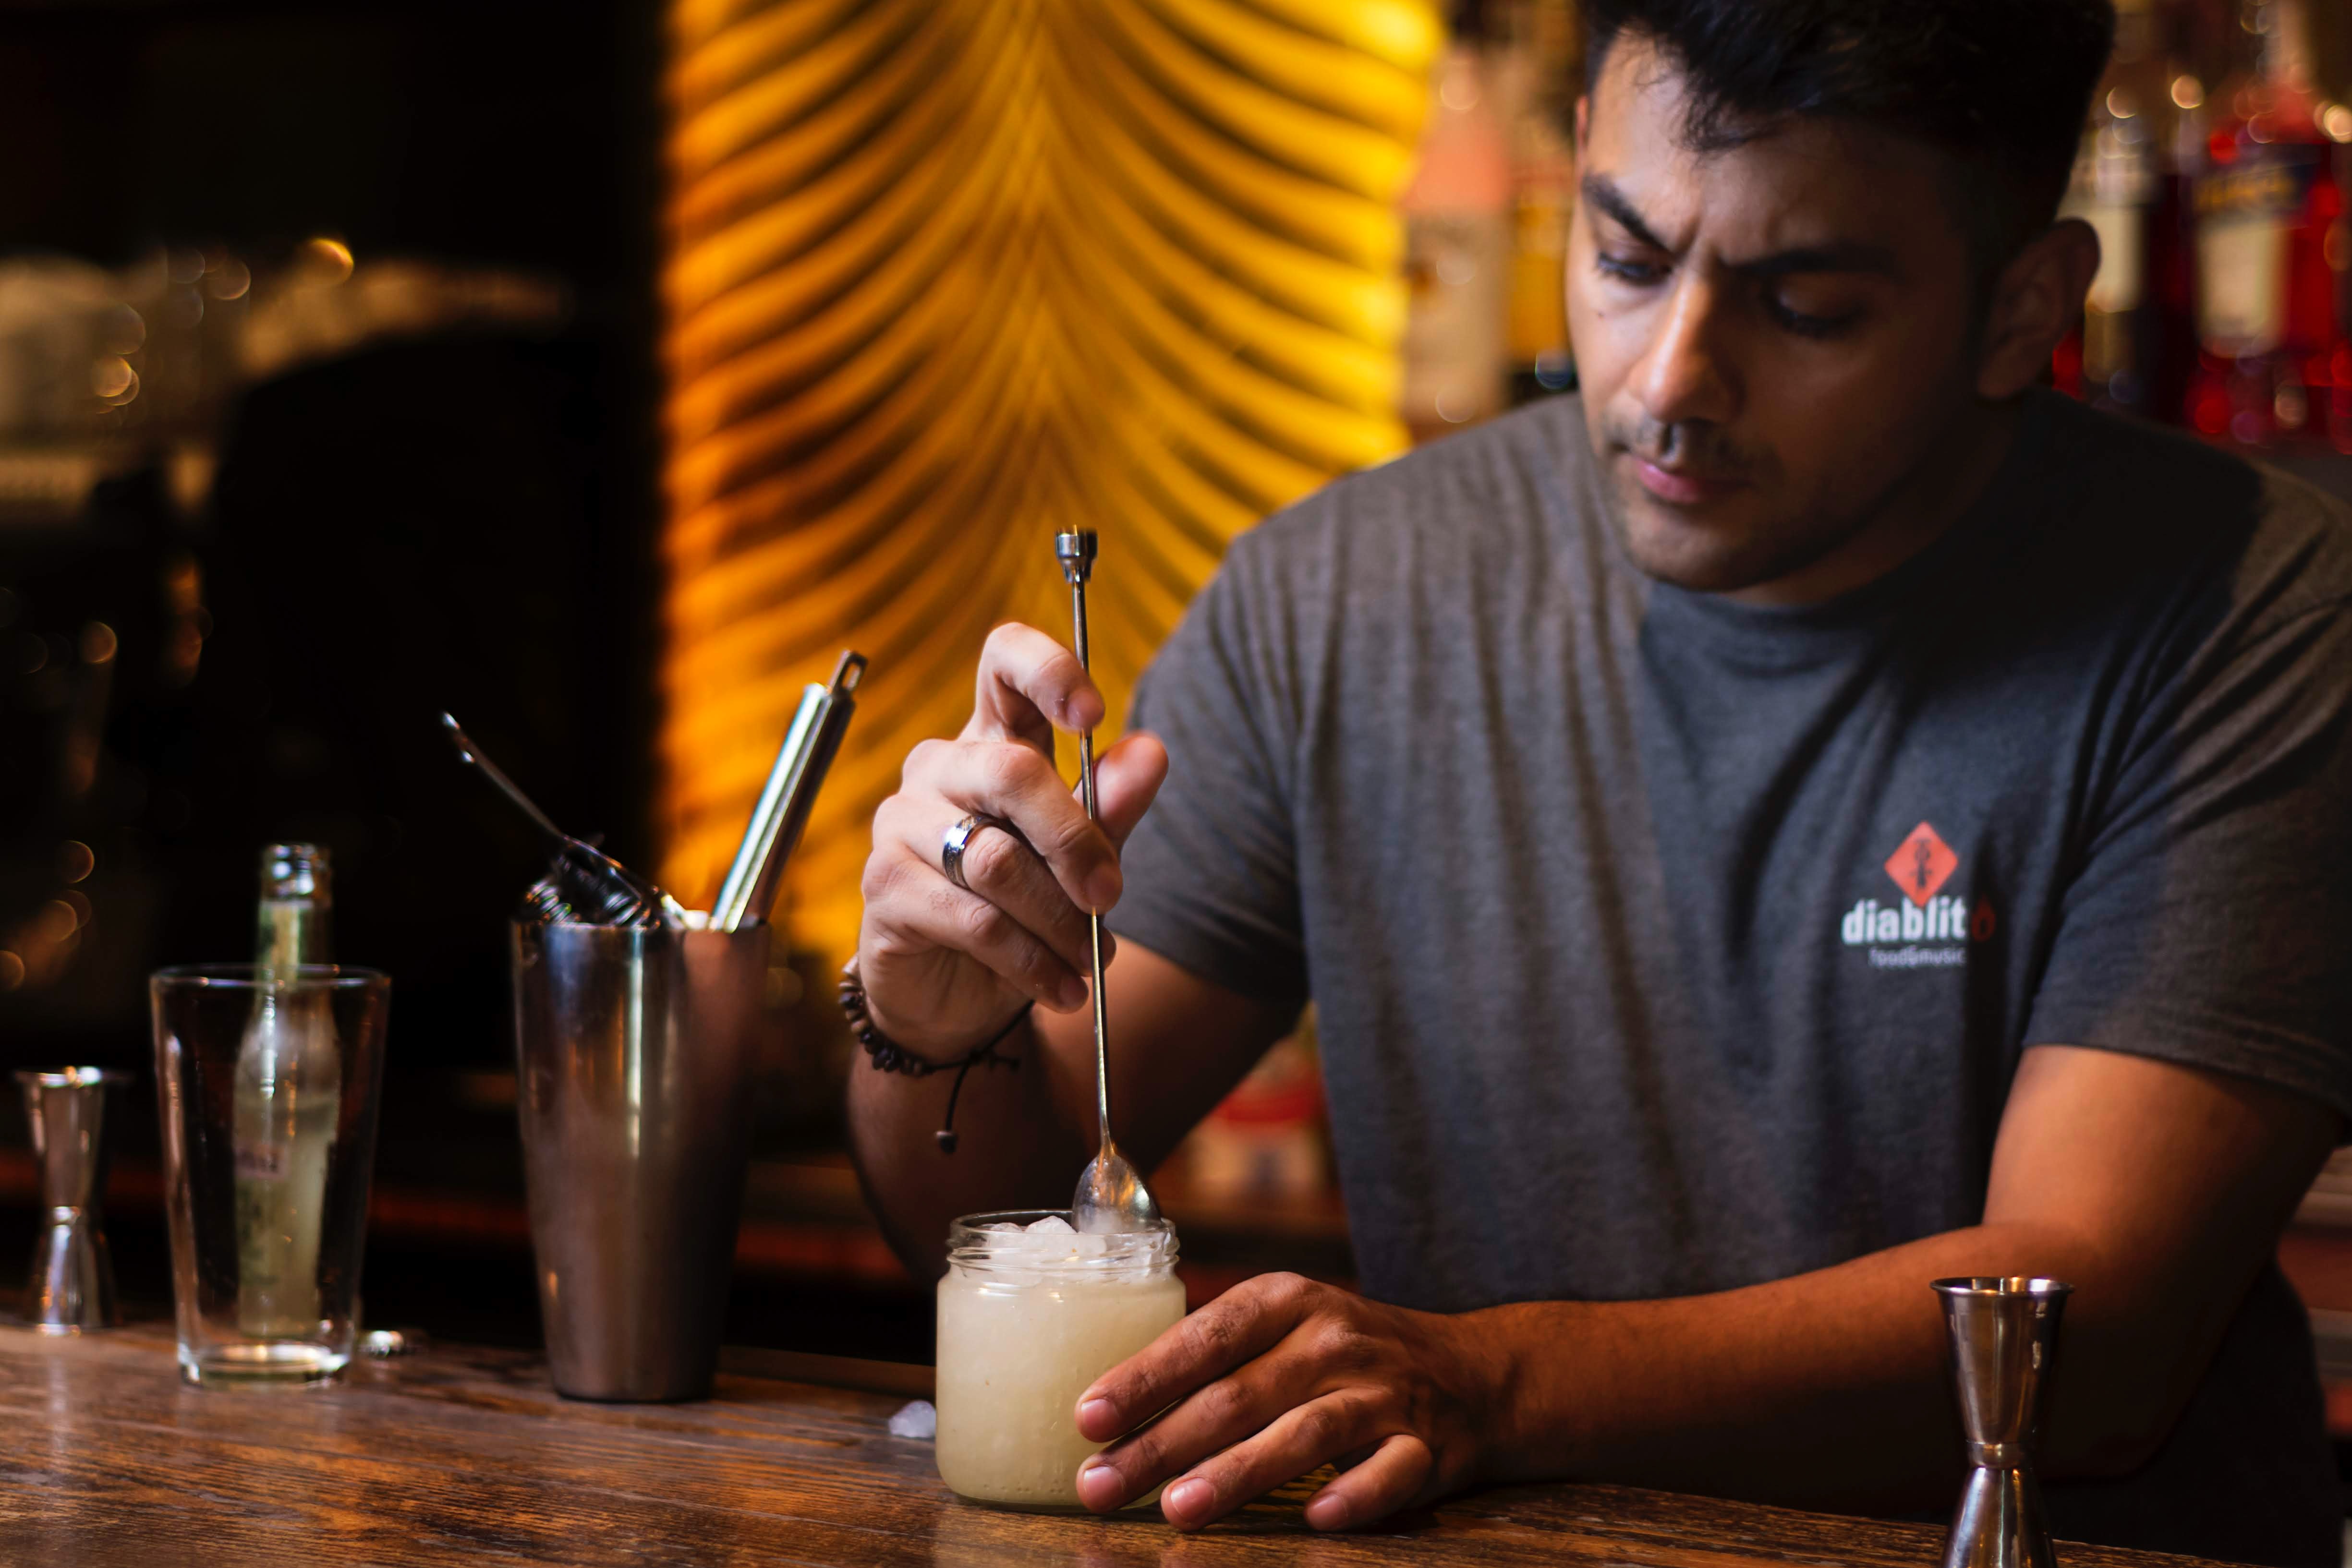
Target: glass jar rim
x: 972, y: 1245
x: 247, y: 977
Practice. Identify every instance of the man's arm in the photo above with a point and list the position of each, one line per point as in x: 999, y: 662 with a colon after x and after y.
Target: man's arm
x: 1179, y: 1043
x: 2157, y: 1190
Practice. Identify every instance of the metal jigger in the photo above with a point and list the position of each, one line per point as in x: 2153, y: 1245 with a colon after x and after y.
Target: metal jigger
x: 72, y: 1286
x: 2004, y: 1342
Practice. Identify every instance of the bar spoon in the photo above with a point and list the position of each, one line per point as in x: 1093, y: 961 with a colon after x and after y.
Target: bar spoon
x: 1111, y: 1198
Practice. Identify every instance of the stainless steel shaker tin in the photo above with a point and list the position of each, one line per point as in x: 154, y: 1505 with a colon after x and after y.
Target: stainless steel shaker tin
x: 635, y: 1049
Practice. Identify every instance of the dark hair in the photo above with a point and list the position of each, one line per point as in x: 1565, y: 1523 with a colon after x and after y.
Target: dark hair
x: 2000, y: 86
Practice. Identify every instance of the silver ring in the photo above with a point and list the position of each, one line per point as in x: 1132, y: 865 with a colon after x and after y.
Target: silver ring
x: 958, y: 839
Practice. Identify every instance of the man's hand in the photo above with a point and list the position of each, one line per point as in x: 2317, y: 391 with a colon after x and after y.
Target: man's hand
x: 1280, y: 1375
x: 944, y: 969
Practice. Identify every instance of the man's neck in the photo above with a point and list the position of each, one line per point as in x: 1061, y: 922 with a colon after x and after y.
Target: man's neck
x: 1921, y: 509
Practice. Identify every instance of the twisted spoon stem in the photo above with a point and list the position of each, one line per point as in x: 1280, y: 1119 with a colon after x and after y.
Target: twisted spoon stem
x: 1094, y: 916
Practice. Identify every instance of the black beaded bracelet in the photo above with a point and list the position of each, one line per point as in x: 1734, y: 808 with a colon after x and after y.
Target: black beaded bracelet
x: 888, y: 1056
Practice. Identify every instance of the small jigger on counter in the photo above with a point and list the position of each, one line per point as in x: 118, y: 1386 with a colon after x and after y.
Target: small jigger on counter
x: 2004, y: 1342
x: 72, y: 1286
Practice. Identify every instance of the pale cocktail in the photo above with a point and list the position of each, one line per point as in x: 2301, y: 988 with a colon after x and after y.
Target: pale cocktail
x: 1030, y: 1312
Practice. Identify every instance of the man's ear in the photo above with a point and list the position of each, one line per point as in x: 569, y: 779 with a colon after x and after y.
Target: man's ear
x: 1583, y: 121
x: 2036, y: 302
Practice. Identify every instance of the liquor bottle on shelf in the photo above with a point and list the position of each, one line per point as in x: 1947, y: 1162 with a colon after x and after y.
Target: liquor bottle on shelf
x: 2115, y: 190
x: 1457, y: 227
x: 287, y: 1096
x: 2126, y: 186
x: 2121, y: 205
x: 2267, y: 209
x: 2172, y: 247
x: 1267, y: 1140
x: 1537, y: 76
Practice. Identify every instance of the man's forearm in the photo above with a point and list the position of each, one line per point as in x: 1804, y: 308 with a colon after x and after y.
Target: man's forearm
x: 1016, y: 1147
x: 1828, y: 1389
x: 2157, y: 1190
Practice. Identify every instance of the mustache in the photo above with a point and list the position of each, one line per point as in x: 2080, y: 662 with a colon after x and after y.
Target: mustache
x: 1688, y: 446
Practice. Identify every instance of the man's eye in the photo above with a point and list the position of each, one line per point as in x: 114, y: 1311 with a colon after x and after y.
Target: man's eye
x: 1806, y: 325
x: 1628, y: 271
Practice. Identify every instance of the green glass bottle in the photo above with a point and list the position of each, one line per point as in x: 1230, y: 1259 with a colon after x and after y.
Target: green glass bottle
x: 288, y: 1094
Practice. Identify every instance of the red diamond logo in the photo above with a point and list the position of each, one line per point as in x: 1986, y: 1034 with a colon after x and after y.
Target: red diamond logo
x: 1923, y: 864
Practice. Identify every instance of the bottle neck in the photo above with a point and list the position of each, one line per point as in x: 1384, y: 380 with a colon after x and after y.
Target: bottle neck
x: 291, y: 931
x: 291, y: 926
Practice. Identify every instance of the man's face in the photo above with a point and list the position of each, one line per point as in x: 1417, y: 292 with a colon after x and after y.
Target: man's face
x: 1773, y: 339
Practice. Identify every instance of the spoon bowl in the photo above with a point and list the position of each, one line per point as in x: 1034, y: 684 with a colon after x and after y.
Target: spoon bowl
x: 1111, y: 1200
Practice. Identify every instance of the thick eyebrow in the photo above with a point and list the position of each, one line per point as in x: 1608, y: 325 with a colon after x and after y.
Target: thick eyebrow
x: 1602, y: 193
x: 1838, y: 256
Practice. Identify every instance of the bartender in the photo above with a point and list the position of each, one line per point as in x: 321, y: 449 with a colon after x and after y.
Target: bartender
x: 1813, y: 813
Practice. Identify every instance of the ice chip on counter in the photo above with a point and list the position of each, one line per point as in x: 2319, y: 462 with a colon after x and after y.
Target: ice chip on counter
x: 916, y: 1419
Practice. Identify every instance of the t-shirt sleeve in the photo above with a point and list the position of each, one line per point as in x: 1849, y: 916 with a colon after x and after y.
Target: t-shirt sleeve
x: 2210, y: 921
x: 1212, y: 879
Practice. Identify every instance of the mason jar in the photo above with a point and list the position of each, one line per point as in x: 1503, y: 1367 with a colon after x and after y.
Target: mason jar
x: 1025, y: 1325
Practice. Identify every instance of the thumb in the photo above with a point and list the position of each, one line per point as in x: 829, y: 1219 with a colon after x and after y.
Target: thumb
x: 1127, y: 778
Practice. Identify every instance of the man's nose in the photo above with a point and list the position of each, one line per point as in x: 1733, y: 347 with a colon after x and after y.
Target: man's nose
x: 1685, y: 375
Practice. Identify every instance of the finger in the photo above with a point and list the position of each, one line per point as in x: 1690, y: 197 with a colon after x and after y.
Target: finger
x: 1390, y: 1479
x: 1006, y: 779
x: 1127, y: 778
x: 1028, y: 685
x: 1210, y: 1418
x: 998, y: 867
x: 915, y: 902
x: 1245, y: 1323
x: 1296, y: 1442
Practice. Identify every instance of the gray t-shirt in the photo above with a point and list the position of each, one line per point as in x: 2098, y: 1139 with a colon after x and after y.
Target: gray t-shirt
x: 1725, y: 927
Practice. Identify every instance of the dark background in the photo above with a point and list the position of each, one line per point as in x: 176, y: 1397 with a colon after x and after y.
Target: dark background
x: 463, y: 520
x: 516, y: 131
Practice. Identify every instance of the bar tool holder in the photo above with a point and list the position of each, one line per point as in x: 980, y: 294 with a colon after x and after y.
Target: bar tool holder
x: 2004, y: 1339
x: 72, y: 1279
x: 634, y: 1050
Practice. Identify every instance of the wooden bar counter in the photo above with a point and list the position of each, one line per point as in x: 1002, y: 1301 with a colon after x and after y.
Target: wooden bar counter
x: 462, y: 1455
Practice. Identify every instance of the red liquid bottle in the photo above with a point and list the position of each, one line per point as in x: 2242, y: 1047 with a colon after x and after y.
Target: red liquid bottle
x: 2267, y: 210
